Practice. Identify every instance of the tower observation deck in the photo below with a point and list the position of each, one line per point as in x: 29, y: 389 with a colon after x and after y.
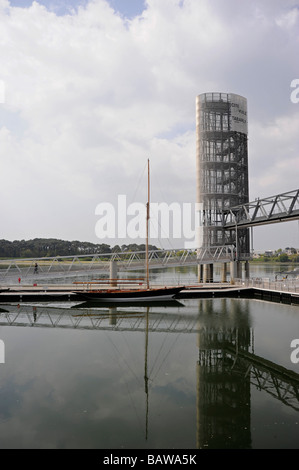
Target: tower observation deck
x: 221, y: 167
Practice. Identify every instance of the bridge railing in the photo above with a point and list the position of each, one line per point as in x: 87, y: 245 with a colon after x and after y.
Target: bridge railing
x: 60, y: 267
x: 290, y: 285
x: 278, y: 208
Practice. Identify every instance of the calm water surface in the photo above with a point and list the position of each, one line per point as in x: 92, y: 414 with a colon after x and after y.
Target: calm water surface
x: 149, y: 378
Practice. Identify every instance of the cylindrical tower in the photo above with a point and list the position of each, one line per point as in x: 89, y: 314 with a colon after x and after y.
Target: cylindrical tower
x: 222, y: 166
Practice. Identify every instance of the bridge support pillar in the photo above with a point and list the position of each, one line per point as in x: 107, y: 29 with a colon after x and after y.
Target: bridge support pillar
x: 211, y: 272
x: 247, y: 270
x: 239, y: 270
x: 235, y: 267
x: 200, y: 273
x: 223, y: 272
x: 113, y: 273
x: 208, y: 273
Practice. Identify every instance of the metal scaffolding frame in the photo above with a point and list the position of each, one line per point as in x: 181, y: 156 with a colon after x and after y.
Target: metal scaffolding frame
x: 222, y: 165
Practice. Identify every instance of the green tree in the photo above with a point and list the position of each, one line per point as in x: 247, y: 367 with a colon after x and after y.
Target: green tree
x: 283, y: 258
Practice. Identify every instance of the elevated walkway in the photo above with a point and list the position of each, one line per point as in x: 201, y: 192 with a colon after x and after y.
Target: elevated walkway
x: 282, y: 207
x: 61, y: 268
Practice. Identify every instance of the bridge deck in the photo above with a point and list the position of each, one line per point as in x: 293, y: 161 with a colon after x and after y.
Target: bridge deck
x: 282, y: 207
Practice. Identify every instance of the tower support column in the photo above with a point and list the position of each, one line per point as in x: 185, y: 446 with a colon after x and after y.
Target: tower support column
x: 208, y: 272
x: 247, y: 270
x: 200, y: 273
x: 233, y: 271
x: 223, y: 272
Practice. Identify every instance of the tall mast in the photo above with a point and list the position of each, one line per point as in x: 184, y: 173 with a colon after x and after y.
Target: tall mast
x: 145, y: 373
x: 147, y: 221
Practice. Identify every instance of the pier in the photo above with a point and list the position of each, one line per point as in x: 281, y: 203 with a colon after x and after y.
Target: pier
x: 279, y: 291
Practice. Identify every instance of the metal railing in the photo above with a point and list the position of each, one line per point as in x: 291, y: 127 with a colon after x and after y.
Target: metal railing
x: 284, y: 285
x: 62, y: 267
x: 280, y: 208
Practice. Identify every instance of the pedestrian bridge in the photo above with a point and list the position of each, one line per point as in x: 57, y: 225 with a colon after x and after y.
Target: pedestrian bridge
x: 283, y: 207
x: 280, y: 208
x: 64, y: 267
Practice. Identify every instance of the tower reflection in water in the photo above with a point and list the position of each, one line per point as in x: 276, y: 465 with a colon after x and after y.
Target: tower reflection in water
x: 223, y: 400
x: 226, y: 369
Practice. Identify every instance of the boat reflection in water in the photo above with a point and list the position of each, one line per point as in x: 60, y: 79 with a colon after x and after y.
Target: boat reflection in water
x: 226, y: 369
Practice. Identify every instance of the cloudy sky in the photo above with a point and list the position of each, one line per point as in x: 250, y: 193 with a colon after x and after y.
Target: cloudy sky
x: 90, y: 89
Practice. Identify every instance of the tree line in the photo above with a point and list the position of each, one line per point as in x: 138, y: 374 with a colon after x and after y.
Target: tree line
x: 49, y: 247
x: 288, y: 255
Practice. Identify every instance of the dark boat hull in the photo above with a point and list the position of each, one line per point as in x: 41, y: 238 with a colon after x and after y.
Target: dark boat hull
x: 148, y: 295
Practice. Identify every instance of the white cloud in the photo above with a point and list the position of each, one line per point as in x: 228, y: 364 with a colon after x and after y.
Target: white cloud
x: 90, y: 95
x: 274, y: 161
x: 289, y: 19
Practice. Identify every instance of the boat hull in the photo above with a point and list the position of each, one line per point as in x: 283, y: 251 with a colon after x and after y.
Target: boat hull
x: 145, y: 295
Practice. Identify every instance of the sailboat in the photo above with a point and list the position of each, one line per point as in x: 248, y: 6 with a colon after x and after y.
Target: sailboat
x: 147, y: 294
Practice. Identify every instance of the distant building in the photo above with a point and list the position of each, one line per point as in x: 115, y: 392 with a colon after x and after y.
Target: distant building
x: 291, y: 251
x: 268, y: 253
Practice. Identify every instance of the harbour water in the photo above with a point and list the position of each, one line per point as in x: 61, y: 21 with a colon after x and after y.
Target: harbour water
x: 196, y: 374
